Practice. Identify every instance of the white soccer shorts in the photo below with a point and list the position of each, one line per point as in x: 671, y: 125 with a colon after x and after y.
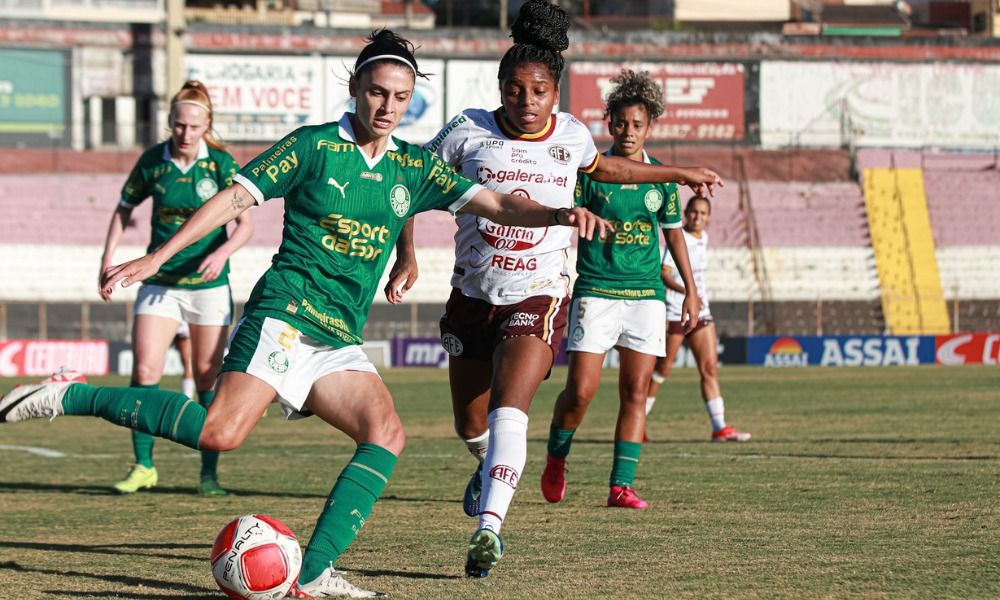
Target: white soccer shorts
x: 599, y: 324
x: 291, y: 362
x: 206, y: 306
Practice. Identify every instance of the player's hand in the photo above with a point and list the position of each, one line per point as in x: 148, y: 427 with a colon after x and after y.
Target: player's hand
x: 212, y: 266
x: 702, y: 181
x: 100, y: 282
x: 402, y: 276
x: 690, y: 311
x: 587, y: 222
x: 133, y: 271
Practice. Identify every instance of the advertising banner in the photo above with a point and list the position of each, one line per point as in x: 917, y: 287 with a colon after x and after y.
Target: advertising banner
x: 32, y: 92
x: 879, y: 104
x: 704, y: 100
x: 967, y: 349
x: 428, y: 352
x: 840, y: 351
x: 260, y: 98
x: 425, y: 115
x: 39, y: 358
x: 471, y: 84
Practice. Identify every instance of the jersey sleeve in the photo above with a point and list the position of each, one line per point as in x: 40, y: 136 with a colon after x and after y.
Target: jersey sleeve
x: 436, y: 185
x: 449, y: 143
x: 669, y: 215
x: 136, y: 188
x: 279, y: 169
x: 228, y: 168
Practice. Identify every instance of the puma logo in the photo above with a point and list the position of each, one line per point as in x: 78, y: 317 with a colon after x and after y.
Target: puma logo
x: 342, y: 188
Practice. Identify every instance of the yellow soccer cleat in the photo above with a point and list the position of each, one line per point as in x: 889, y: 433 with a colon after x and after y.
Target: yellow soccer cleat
x: 139, y: 477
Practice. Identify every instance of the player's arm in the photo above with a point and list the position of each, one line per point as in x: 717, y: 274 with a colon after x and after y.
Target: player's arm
x: 403, y: 274
x: 679, y: 252
x: 211, y: 267
x: 616, y: 169
x: 216, y: 212
x: 507, y: 209
x: 119, y: 221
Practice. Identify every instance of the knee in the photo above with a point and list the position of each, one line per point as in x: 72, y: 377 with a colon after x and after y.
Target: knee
x: 220, y: 439
x: 389, y: 435
x: 145, y: 373
x: 205, y: 374
x: 467, y: 428
x: 708, y: 369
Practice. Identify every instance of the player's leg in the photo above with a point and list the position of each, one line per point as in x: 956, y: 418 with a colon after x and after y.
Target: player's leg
x: 530, y: 335
x: 470, y: 396
x: 151, y: 337
x: 661, y: 370
x: 633, y: 377
x: 582, y: 380
x: 208, y: 343
x: 357, y: 403
x: 703, y: 344
x: 469, y: 335
x: 183, y: 343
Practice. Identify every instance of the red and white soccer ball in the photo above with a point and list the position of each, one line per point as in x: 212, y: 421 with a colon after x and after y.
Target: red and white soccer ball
x: 256, y: 557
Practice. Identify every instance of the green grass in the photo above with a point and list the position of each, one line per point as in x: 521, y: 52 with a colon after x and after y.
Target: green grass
x: 873, y: 483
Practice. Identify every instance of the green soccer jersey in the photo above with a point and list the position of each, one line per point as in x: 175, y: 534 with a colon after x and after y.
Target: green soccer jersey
x: 177, y: 193
x: 343, y: 213
x: 625, y: 264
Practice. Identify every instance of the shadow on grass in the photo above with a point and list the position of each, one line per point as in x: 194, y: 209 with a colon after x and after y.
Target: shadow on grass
x: 105, y: 490
x: 113, y: 549
x: 402, y: 574
x: 124, y: 580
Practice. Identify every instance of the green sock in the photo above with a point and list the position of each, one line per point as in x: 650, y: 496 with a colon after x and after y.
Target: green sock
x: 142, y: 443
x: 626, y: 460
x: 162, y: 413
x: 209, y: 458
x: 560, y: 441
x: 348, y: 506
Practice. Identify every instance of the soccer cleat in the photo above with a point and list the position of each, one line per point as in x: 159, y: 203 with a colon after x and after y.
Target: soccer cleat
x: 473, y: 489
x: 729, y: 434
x: 209, y: 486
x: 330, y: 584
x: 38, y: 400
x: 485, y: 551
x: 622, y: 496
x: 554, y: 479
x: 139, y: 477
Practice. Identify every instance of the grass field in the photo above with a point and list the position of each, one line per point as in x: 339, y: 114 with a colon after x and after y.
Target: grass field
x: 875, y: 483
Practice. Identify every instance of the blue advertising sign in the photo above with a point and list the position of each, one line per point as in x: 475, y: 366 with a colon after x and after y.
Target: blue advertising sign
x: 840, y: 351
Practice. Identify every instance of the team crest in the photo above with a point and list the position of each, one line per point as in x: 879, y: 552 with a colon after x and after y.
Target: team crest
x: 277, y: 361
x: 452, y: 344
x: 654, y: 200
x: 399, y: 197
x: 206, y: 188
x: 578, y: 334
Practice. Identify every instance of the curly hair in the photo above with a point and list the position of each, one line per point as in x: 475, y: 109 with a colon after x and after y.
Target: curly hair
x: 632, y: 89
x: 540, y: 35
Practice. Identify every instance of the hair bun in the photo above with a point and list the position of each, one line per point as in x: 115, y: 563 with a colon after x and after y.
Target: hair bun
x: 541, y: 23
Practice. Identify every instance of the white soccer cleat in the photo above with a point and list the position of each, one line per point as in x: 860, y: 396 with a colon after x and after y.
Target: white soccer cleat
x: 38, y: 400
x: 330, y: 584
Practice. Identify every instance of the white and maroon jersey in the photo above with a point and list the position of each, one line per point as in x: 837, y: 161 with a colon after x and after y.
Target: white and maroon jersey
x: 697, y: 246
x: 503, y: 264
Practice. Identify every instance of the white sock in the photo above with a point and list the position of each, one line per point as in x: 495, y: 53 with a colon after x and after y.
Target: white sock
x: 187, y: 387
x: 657, y: 378
x: 717, y: 412
x: 649, y: 403
x: 479, y: 445
x: 503, y: 465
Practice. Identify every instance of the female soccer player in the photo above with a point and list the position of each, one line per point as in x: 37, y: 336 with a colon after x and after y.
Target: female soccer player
x: 180, y: 174
x: 348, y: 188
x: 505, y: 318
x: 618, y: 300
x: 701, y: 338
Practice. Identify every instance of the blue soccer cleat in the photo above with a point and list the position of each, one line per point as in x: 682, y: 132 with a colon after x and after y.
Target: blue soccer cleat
x: 473, y: 490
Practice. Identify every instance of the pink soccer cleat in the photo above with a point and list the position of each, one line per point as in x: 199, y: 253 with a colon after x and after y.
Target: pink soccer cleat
x: 729, y: 434
x: 622, y: 496
x: 554, y: 479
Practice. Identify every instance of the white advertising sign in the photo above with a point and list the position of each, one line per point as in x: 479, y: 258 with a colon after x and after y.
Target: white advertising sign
x: 879, y: 104
x: 260, y: 98
x: 423, y: 119
x: 472, y: 84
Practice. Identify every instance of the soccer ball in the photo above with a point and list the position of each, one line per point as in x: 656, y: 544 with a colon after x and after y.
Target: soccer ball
x: 256, y: 557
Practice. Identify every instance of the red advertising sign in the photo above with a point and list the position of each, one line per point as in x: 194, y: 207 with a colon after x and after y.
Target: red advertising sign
x: 967, y: 349
x: 704, y: 100
x: 38, y: 358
